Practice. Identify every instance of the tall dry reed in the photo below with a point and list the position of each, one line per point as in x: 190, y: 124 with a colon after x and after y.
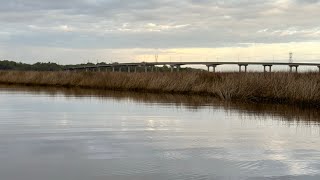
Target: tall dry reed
x: 303, y: 88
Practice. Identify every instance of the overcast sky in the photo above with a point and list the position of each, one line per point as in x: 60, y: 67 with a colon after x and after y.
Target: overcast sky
x: 75, y: 31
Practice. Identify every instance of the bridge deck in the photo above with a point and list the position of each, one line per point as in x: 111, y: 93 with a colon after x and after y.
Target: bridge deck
x: 178, y: 64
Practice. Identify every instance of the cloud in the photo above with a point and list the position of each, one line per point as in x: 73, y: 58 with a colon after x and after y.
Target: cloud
x: 236, y: 21
x: 124, y: 24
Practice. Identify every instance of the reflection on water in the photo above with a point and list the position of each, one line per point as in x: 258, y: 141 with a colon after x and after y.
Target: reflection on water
x: 48, y: 133
x: 192, y: 102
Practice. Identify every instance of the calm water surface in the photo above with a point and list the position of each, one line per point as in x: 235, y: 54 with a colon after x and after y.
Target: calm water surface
x: 57, y: 135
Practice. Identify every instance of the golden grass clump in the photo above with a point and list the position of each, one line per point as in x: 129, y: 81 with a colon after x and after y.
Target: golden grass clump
x: 302, y: 88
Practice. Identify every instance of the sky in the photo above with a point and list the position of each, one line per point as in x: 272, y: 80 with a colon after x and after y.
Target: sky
x: 80, y: 31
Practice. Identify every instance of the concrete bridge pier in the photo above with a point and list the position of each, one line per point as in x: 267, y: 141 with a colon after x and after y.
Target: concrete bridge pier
x: 172, y: 68
x: 129, y: 69
x: 113, y: 69
x: 135, y: 69
x: 208, y: 66
x: 120, y: 69
x: 152, y: 68
x: 178, y: 68
x: 245, y: 67
x: 214, y: 68
x: 145, y: 68
x: 175, y: 66
x: 293, y: 66
x: 265, y: 68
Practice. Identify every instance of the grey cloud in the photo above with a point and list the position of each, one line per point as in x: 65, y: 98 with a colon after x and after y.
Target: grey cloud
x: 307, y: 1
x: 153, y: 23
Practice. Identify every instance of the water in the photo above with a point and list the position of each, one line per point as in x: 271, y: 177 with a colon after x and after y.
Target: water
x: 51, y: 134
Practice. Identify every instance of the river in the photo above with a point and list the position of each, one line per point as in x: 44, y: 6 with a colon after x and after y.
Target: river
x: 72, y: 134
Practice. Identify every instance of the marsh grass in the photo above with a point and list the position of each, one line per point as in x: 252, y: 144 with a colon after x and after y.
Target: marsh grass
x: 278, y: 87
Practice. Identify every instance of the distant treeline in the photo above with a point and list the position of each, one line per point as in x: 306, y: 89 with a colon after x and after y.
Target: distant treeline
x: 39, y: 66
x: 11, y: 65
x: 50, y: 66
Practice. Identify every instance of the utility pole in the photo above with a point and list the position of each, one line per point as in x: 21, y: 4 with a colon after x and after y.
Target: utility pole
x: 290, y: 57
x: 273, y: 58
x: 156, y: 57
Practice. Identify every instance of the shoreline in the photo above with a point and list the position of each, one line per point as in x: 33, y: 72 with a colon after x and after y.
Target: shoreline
x: 302, y: 89
x: 193, y: 102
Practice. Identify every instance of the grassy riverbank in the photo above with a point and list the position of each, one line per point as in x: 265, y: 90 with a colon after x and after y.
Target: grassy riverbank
x: 288, y: 88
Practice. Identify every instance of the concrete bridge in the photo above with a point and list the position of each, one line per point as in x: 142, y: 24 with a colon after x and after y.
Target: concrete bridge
x: 175, y: 66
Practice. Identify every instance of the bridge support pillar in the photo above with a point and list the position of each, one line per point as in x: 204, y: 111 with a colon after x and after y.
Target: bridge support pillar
x: 135, y: 69
x: 87, y: 69
x: 113, y: 69
x: 293, y: 66
x: 245, y: 67
x: 145, y: 68
x: 129, y: 70
x: 319, y: 68
x: 172, y: 68
x: 178, y: 68
x: 152, y: 68
x: 214, y: 68
x: 265, y: 68
x: 120, y: 69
